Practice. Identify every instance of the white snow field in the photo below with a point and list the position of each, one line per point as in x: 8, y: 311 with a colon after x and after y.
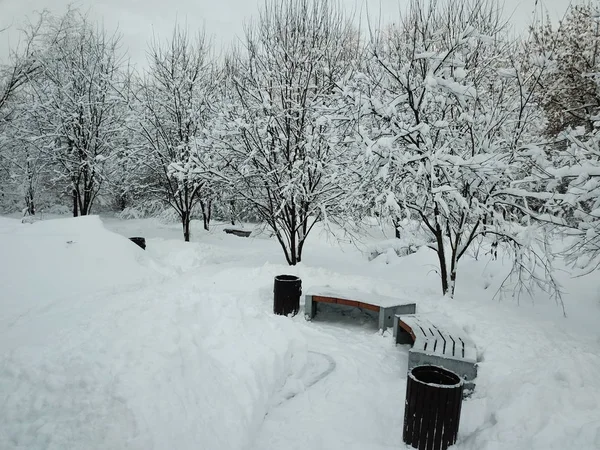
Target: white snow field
x: 106, y: 346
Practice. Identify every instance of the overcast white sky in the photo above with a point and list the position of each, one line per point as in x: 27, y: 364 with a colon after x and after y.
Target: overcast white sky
x: 223, y: 20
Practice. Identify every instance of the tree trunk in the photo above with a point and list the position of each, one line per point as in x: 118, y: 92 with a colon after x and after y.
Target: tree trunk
x: 185, y: 221
x: 300, y: 248
x: 442, y: 259
x: 396, y: 228
x: 29, y: 197
x: 232, y: 211
x: 85, y: 208
x: 206, y: 213
x: 439, y: 238
x: 293, y: 256
x: 122, y: 201
x: 88, y: 189
x: 453, y: 269
x: 30, y: 202
x: 292, y: 230
x: 75, y: 203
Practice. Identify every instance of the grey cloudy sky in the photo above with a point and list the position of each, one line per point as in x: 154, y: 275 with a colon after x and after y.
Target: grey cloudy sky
x: 223, y: 20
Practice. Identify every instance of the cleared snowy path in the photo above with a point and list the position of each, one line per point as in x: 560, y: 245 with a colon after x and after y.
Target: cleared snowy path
x: 359, y: 405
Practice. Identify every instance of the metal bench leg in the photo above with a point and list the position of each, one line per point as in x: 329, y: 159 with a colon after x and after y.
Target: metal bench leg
x: 310, y: 307
x: 386, y: 315
x: 402, y: 337
x: 382, y: 319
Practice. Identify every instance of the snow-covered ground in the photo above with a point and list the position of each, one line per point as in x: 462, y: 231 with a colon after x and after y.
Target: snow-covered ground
x: 106, y: 346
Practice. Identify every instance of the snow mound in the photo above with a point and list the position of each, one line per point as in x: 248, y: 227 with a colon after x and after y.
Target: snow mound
x: 100, y: 350
x: 46, y: 261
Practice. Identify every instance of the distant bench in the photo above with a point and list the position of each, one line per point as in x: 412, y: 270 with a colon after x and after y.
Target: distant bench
x: 387, y: 307
x: 240, y: 233
x: 441, y: 344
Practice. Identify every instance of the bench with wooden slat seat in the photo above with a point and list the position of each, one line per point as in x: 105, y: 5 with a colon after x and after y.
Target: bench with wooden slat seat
x: 436, y: 344
x: 386, y: 307
x: 238, y: 232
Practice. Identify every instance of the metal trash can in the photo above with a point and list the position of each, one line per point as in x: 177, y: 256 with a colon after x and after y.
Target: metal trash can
x: 286, y: 295
x: 140, y: 241
x: 432, y: 408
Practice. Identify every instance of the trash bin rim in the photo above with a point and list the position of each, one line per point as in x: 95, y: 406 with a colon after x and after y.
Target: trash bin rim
x: 285, y: 278
x: 436, y: 385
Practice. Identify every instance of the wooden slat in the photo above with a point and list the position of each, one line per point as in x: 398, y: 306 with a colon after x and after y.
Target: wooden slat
x: 318, y: 298
x: 341, y: 301
x: 408, y: 329
x: 346, y: 302
x: 368, y: 306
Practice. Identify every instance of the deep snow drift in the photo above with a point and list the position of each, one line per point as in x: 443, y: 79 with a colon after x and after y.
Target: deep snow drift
x: 103, y: 345
x: 99, y: 350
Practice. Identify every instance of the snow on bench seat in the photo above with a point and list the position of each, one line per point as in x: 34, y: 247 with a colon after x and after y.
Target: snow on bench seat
x: 439, y: 343
x: 238, y: 232
x: 387, y: 307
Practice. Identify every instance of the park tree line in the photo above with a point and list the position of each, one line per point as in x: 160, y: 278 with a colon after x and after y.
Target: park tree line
x: 445, y: 118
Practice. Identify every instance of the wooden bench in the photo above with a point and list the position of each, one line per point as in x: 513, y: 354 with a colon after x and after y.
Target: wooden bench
x: 386, y: 307
x: 440, y: 345
x: 240, y: 233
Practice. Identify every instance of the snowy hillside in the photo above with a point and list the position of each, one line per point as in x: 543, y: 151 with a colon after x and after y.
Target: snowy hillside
x: 103, y: 345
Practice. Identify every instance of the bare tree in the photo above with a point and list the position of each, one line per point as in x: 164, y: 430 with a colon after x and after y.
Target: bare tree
x: 21, y: 67
x: 28, y: 168
x: 176, y: 103
x: 77, y: 106
x: 282, y: 137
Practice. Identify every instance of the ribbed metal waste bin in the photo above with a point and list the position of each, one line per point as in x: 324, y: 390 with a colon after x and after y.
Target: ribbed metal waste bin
x: 140, y: 241
x: 432, y: 408
x: 286, y: 294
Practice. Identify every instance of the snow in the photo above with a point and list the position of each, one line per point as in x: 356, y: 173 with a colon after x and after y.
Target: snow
x: 104, y: 345
x: 153, y: 363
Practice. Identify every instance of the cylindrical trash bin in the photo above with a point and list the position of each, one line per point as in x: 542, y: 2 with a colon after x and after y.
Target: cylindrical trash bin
x: 140, y: 241
x: 286, y: 294
x: 432, y: 408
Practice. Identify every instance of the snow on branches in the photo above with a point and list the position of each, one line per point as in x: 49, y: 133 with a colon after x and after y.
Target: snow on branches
x: 444, y: 107
x: 283, y: 131
x: 175, y: 103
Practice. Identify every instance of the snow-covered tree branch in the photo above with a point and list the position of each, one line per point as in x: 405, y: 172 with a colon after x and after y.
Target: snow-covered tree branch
x: 75, y: 110
x: 284, y: 127
x: 176, y: 100
x: 444, y: 108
